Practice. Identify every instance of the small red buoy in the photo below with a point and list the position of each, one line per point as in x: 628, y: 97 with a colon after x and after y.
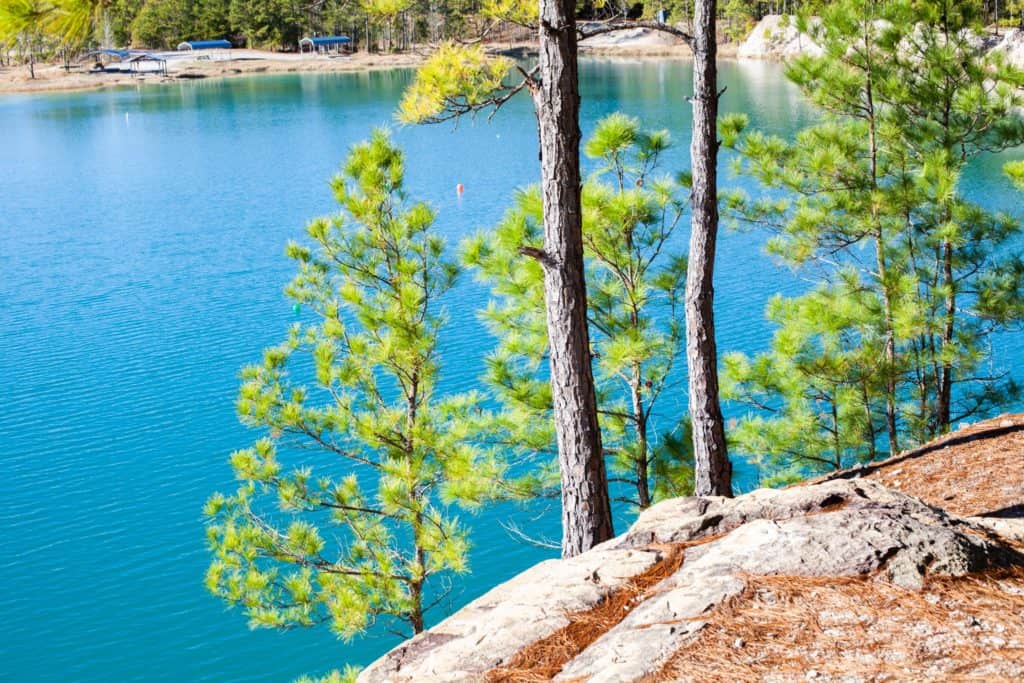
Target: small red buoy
x: 459, y: 188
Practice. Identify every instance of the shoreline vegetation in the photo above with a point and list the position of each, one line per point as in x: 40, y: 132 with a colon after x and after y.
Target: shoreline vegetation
x: 772, y: 39
x: 53, y: 77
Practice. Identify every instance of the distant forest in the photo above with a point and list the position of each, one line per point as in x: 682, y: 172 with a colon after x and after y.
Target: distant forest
x: 40, y: 29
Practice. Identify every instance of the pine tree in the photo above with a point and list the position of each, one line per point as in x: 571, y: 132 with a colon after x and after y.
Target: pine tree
x: 341, y: 515
x: 872, y: 207
x: 713, y: 470
x: 459, y: 81
x: 635, y: 296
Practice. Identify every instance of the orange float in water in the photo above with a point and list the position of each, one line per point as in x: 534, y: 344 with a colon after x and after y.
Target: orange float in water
x: 459, y: 188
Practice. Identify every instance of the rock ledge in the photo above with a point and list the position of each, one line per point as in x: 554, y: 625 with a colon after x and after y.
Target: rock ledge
x: 839, y: 528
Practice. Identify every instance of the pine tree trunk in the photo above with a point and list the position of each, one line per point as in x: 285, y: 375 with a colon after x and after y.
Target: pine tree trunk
x: 643, y: 490
x: 586, y: 510
x: 890, y: 328
x: 713, y: 475
x: 945, y: 402
x: 416, y: 619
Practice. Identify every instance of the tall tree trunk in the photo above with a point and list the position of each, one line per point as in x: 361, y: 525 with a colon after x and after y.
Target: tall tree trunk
x: 945, y: 402
x: 883, y: 278
x: 713, y: 475
x: 586, y: 510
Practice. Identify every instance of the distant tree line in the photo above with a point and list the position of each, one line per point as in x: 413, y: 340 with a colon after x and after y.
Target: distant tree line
x: 280, y: 24
x: 39, y: 29
x: 31, y: 30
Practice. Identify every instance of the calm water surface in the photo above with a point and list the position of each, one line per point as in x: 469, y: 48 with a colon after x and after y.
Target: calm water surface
x: 141, y: 239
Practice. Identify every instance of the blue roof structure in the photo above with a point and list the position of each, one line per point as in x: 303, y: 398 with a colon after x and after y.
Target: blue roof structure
x: 204, y: 44
x: 325, y: 41
x: 111, y: 52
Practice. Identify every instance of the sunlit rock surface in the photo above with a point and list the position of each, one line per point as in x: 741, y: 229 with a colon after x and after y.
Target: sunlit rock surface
x: 839, y: 528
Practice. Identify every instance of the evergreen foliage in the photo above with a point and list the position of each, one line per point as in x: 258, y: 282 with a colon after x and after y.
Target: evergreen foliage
x: 634, y: 296
x: 914, y: 278
x: 348, y: 675
x: 454, y: 80
x: 342, y: 514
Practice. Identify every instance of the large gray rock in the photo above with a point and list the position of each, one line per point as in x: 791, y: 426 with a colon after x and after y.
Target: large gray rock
x: 776, y: 37
x: 835, y: 528
x: 487, y: 632
x: 1012, y: 47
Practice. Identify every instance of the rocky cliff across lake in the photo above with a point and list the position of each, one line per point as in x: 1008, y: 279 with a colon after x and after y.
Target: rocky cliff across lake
x: 911, y: 569
x: 776, y: 38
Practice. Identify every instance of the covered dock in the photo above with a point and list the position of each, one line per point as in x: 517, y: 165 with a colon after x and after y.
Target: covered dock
x: 104, y: 58
x: 147, y: 63
x: 324, y: 44
x: 111, y: 60
x: 190, y: 45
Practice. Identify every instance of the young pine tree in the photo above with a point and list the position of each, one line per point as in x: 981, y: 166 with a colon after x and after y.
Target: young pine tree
x: 341, y: 515
x: 871, y: 206
x: 816, y: 390
x: 635, y: 289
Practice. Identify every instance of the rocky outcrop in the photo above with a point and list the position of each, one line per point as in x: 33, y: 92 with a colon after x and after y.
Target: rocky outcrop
x: 638, y: 40
x: 650, y: 589
x: 1012, y: 47
x: 487, y: 632
x: 776, y: 37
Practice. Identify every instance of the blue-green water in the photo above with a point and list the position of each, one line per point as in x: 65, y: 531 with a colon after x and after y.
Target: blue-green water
x: 141, y: 239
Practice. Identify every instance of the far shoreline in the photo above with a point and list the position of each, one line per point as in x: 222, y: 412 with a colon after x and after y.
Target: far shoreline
x: 52, y: 79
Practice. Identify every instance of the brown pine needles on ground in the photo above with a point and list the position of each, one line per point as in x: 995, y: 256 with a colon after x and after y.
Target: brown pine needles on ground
x: 786, y: 628
x: 860, y: 628
x: 956, y: 471
x: 542, y: 660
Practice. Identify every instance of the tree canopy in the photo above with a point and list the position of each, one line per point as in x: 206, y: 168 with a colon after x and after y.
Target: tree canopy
x: 914, y: 277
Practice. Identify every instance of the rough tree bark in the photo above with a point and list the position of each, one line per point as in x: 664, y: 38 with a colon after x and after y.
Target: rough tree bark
x: 713, y: 475
x: 586, y: 510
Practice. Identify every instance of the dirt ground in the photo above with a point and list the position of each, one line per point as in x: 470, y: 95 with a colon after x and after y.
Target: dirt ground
x: 857, y: 629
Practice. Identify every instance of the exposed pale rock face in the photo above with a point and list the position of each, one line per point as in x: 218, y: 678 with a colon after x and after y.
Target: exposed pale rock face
x: 1012, y: 46
x: 776, y: 37
x: 834, y: 528
x: 631, y: 38
x: 488, y: 631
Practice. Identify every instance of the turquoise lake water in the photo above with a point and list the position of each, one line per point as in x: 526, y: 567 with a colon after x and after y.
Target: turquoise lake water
x: 141, y: 265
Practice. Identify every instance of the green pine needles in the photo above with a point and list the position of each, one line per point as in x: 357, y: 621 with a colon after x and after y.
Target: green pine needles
x: 891, y: 347
x: 342, y: 514
x: 635, y: 287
